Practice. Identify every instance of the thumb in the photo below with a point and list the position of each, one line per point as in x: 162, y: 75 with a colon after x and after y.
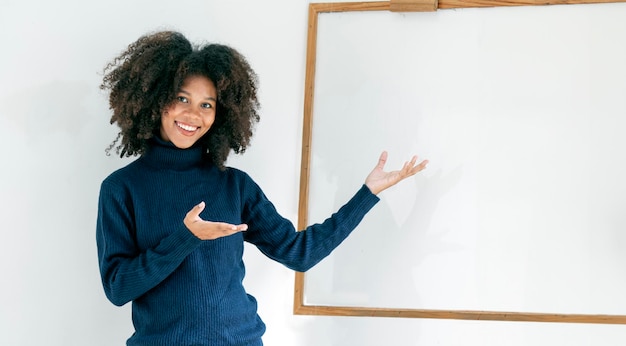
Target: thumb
x: 382, y: 160
x: 196, y: 210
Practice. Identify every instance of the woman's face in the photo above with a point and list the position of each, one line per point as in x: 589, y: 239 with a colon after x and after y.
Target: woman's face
x: 191, y: 115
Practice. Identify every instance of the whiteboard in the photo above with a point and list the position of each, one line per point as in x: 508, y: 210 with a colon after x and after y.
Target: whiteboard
x: 521, y: 112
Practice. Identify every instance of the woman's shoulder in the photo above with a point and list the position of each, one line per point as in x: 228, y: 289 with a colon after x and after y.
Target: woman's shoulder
x: 237, y: 174
x: 241, y: 178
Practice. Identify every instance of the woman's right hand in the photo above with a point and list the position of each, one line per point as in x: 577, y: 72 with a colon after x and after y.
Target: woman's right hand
x: 208, y: 230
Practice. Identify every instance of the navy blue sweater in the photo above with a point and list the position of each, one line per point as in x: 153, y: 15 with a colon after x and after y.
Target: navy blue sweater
x: 186, y: 291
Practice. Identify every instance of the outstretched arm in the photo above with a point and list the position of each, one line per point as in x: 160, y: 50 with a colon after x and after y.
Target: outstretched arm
x: 379, y: 180
x: 276, y: 236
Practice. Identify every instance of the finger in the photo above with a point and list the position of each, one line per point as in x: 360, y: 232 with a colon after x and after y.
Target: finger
x: 382, y: 160
x: 228, y: 229
x: 196, y: 210
x: 241, y: 228
x: 200, y: 207
x: 421, y: 166
x: 408, y: 166
x: 405, y: 169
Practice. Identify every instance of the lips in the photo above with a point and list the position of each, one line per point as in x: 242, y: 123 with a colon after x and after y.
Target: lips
x: 186, y: 127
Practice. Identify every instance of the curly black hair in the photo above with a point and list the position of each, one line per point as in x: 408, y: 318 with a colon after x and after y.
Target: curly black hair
x: 145, y: 78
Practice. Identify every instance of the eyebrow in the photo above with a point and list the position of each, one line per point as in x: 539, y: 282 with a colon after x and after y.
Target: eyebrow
x: 210, y: 98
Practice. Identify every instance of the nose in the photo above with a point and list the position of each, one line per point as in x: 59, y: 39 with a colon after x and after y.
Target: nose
x: 192, y: 112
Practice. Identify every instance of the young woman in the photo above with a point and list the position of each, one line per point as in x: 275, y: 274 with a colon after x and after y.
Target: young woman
x: 171, y: 224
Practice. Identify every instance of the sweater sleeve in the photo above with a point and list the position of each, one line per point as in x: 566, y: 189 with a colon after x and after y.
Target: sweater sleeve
x: 277, y: 238
x: 126, y: 272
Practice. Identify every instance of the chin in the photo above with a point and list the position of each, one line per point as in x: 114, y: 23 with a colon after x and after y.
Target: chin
x: 184, y: 144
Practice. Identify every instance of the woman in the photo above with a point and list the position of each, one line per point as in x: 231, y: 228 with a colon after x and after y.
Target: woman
x: 171, y: 224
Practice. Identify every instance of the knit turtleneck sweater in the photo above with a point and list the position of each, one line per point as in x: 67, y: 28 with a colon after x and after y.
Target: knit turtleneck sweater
x: 187, y: 291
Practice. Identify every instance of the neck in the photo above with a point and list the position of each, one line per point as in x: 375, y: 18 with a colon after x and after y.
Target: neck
x: 162, y: 154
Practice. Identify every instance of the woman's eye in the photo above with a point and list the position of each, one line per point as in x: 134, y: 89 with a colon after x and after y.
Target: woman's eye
x: 207, y: 105
x: 181, y: 99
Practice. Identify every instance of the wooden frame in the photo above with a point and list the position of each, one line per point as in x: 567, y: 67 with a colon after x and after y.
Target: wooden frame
x: 405, y: 5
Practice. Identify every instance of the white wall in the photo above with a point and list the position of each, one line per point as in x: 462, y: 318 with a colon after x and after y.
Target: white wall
x: 53, y: 135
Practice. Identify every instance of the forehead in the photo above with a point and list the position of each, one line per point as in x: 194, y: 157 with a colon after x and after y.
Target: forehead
x: 199, y: 84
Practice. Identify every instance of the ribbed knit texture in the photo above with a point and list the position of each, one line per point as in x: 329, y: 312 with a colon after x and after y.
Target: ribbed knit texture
x: 186, y: 291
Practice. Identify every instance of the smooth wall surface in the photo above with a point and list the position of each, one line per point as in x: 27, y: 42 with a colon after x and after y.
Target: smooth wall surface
x: 56, y: 127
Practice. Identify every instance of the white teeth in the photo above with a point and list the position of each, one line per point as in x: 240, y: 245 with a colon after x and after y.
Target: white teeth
x: 186, y: 127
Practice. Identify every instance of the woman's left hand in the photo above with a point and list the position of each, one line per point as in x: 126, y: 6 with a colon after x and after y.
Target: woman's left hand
x: 379, y: 180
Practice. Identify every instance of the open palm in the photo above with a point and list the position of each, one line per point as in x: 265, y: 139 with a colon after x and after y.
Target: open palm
x: 379, y: 180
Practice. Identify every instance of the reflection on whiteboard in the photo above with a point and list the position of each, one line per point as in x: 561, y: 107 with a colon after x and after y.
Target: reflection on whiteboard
x: 522, y: 114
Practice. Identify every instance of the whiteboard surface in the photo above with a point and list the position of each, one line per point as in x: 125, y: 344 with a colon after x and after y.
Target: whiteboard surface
x: 521, y: 112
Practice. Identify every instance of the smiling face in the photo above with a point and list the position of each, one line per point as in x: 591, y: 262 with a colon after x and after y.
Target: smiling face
x: 191, y: 115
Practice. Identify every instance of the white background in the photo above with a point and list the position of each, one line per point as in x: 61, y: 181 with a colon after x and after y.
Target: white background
x: 55, y: 127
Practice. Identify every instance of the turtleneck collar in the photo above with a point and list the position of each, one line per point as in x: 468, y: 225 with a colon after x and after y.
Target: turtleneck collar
x: 162, y: 154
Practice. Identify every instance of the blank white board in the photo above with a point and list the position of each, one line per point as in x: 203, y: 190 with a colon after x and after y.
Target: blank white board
x: 521, y: 112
